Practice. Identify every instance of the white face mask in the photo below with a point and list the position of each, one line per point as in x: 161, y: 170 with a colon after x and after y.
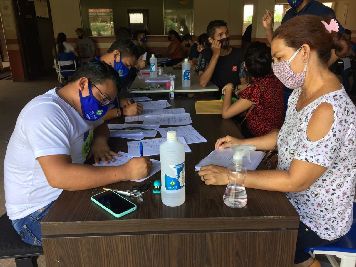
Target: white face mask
x: 285, y: 74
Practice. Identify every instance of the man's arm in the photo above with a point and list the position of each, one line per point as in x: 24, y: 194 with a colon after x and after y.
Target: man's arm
x: 205, y: 76
x: 267, y: 22
x: 62, y: 173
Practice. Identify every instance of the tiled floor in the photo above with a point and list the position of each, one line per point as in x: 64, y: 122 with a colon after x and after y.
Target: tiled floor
x: 13, y: 96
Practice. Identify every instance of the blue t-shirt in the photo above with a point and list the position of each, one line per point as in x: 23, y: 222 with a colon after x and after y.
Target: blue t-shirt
x: 312, y: 8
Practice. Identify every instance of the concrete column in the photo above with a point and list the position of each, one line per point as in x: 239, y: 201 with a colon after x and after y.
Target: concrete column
x: 260, y: 7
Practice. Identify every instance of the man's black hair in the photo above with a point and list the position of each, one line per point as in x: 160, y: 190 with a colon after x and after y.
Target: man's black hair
x: 96, y: 72
x: 126, y: 47
x: 258, y: 59
x: 210, y: 30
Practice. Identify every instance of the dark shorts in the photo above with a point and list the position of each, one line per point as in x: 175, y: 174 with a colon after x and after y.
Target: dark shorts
x: 307, y: 238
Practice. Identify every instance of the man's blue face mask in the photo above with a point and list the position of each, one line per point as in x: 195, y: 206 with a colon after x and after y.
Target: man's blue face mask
x: 295, y: 3
x: 121, y: 68
x: 92, y: 109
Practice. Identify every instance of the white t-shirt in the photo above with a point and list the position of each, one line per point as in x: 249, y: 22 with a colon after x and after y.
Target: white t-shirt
x: 326, y: 206
x: 47, y: 125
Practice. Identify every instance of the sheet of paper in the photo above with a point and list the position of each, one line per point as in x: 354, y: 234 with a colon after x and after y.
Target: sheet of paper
x: 141, y: 98
x: 224, y: 158
x: 159, y: 104
x: 151, y: 146
x: 163, y: 111
x: 169, y: 119
x: 136, y: 134
x: 154, y: 112
x: 123, y: 158
x: 133, y: 126
x: 190, y: 135
x: 208, y: 107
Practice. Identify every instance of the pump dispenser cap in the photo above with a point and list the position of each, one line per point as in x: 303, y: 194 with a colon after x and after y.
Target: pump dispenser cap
x: 171, y: 136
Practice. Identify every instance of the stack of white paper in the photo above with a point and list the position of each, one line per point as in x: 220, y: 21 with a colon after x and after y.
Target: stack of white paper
x: 190, y: 135
x: 132, y: 126
x: 155, y: 113
x: 136, y: 134
x: 141, y: 98
x: 123, y: 158
x: 151, y: 146
x: 224, y: 158
x: 168, y: 119
x: 159, y: 104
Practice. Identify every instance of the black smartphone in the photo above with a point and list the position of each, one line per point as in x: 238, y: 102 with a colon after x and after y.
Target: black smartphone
x: 114, y: 203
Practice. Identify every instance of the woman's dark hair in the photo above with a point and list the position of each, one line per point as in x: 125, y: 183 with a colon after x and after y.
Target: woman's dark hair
x: 61, y: 37
x: 203, y: 40
x: 96, y: 71
x: 187, y: 37
x: 308, y: 29
x: 258, y: 59
x: 175, y: 34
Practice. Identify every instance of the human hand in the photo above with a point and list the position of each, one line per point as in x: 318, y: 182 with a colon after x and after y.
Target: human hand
x: 227, y: 88
x: 141, y: 64
x: 101, y: 150
x: 216, y: 47
x: 227, y: 141
x: 267, y: 20
x: 133, y: 109
x: 214, y: 175
x: 138, y: 168
x: 124, y: 102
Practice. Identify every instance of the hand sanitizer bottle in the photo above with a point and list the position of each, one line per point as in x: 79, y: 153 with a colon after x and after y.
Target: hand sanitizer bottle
x: 172, y: 157
x: 235, y: 195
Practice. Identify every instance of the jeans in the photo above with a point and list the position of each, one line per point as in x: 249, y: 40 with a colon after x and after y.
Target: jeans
x: 29, y: 227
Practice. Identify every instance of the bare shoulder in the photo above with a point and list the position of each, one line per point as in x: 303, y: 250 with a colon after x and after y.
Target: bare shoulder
x: 320, y: 122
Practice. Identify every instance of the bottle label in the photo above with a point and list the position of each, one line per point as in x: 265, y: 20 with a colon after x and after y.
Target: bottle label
x: 152, y: 67
x: 186, y: 75
x: 177, y: 182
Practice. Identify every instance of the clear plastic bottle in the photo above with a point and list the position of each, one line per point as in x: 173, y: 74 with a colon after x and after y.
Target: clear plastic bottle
x: 235, y: 195
x: 171, y: 86
x: 153, y: 66
x: 186, y: 74
x: 172, y: 157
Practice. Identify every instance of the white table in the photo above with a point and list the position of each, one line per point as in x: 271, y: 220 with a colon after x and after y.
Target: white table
x: 140, y: 87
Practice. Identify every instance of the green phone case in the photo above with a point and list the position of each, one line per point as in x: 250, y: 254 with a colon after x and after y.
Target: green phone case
x: 110, y: 211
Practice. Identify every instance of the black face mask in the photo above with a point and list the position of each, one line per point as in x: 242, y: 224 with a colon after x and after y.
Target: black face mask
x: 224, y: 43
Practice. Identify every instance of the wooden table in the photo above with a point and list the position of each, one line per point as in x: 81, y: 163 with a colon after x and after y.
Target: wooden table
x: 201, y: 232
x: 139, y: 86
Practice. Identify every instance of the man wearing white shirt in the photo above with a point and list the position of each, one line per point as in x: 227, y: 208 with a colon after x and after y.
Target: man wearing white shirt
x: 53, y: 136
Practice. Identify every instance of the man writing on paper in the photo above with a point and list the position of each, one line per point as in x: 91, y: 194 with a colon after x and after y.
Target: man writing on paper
x: 51, y: 140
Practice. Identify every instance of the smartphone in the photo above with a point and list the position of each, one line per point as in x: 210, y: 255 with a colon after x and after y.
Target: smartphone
x: 114, y: 203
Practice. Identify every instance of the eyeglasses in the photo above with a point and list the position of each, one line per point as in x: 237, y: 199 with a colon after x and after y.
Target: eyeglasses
x: 106, y: 100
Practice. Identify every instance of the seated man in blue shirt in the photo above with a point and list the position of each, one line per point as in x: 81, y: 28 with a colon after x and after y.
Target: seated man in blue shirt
x: 122, y: 56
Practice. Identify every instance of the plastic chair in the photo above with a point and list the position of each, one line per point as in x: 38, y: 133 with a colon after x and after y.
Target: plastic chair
x: 65, y: 65
x: 345, y: 248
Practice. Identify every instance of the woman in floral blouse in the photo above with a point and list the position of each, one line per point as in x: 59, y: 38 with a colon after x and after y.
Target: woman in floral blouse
x: 317, y: 142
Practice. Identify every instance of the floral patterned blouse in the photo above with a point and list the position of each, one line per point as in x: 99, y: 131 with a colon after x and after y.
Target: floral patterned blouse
x: 326, y: 206
x: 267, y: 112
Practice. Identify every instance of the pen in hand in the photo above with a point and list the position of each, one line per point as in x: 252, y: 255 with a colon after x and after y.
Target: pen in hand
x: 141, y: 149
